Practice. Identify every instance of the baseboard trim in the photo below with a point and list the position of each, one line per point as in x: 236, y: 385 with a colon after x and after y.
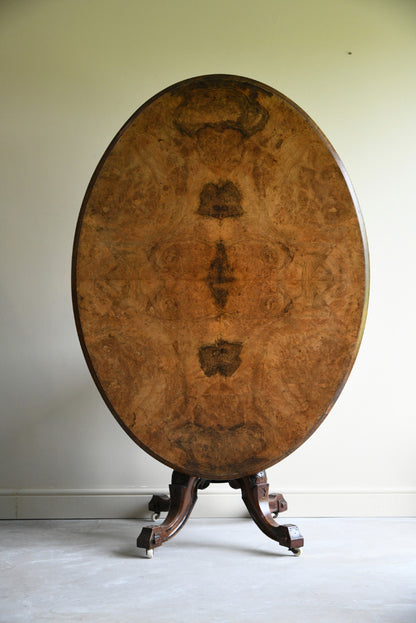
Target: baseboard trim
x: 119, y: 504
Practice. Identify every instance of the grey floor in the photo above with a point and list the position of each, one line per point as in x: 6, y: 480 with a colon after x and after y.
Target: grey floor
x: 215, y: 570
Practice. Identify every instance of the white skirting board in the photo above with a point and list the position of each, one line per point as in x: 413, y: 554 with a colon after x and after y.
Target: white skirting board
x: 218, y: 501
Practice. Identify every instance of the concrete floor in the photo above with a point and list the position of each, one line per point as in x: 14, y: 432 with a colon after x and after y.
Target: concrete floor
x: 214, y: 570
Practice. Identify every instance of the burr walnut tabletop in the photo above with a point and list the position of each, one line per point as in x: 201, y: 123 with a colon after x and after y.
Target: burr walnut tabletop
x: 220, y: 277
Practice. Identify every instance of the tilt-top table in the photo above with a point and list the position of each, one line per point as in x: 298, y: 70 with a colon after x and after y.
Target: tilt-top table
x: 220, y: 281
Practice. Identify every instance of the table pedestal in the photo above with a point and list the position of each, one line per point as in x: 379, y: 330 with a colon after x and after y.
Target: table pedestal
x: 183, y: 495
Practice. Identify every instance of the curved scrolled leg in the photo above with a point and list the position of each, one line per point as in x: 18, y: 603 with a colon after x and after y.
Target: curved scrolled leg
x: 277, y: 504
x: 183, y: 495
x: 159, y: 504
x: 255, y: 494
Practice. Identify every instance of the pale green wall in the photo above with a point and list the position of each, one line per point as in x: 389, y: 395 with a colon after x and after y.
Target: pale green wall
x: 72, y: 71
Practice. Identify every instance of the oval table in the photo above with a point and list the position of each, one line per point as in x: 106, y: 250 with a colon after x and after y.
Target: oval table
x: 220, y: 285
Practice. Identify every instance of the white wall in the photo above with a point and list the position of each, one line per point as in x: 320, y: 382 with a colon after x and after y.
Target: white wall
x: 72, y: 71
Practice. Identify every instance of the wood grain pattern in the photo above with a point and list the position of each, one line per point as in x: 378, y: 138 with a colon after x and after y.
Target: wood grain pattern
x: 220, y: 277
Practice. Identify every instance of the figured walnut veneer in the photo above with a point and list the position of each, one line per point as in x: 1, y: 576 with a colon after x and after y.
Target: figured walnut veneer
x: 220, y: 277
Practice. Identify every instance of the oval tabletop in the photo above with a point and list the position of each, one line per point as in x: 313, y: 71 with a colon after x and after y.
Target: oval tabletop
x: 220, y: 277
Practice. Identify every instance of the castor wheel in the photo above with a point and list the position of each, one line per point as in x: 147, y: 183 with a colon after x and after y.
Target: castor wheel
x: 150, y: 553
x: 296, y: 551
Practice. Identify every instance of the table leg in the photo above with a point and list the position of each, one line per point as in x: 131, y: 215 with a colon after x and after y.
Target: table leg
x: 159, y: 503
x: 255, y: 494
x: 183, y: 495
